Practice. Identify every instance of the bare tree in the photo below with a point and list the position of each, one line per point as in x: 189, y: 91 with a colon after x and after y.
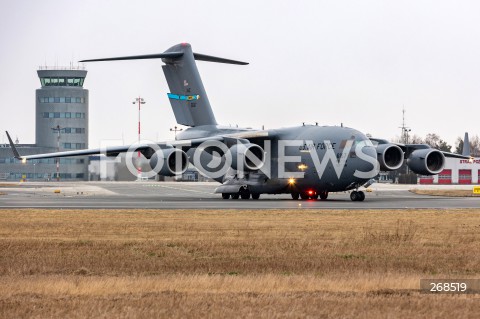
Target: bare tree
x: 475, y: 146
x: 415, y: 139
x: 435, y: 141
x: 459, y: 145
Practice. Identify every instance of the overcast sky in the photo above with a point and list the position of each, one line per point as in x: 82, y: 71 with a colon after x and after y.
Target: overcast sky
x: 356, y: 62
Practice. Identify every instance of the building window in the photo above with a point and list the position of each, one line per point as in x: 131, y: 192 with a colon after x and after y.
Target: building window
x: 74, y: 146
x: 62, y: 115
x: 62, y: 99
x: 56, y: 81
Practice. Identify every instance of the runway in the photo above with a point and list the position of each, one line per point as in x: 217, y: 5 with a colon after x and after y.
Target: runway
x: 176, y: 195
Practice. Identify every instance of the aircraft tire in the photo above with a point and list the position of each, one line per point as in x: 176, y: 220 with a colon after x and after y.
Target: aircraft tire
x: 354, y: 196
x: 255, y: 195
x: 295, y: 196
x: 304, y: 196
x: 323, y: 195
x: 225, y: 195
x: 361, y: 196
x: 235, y: 196
x: 245, y: 195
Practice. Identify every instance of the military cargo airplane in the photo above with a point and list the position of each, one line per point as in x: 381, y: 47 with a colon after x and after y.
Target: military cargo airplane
x: 306, y: 161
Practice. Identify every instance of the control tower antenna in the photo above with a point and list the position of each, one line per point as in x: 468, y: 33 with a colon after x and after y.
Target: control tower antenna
x: 405, y: 130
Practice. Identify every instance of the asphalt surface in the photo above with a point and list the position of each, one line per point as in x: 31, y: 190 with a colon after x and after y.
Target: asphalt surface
x: 129, y: 195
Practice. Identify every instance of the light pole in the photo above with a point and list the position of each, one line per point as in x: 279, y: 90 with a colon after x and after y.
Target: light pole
x: 140, y: 101
x: 58, y: 129
x: 176, y: 129
x: 34, y: 171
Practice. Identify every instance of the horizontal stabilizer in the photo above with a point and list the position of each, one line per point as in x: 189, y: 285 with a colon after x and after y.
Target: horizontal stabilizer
x: 170, y: 55
x: 209, y: 58
x: 167, y: 55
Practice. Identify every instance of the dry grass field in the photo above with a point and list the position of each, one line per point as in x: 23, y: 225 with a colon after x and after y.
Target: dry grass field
x: 287, y: 264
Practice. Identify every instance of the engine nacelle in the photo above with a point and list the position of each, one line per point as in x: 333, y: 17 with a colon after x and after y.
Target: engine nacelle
x: 247, y: 157
x: 389, y: 156
x: 169, y: 162
x: 427, y: 161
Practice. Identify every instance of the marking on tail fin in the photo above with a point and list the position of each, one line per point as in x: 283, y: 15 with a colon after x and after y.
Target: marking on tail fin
x: 183, y: 97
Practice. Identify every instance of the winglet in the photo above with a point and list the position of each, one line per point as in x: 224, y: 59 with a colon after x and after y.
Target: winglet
x: 14, y: 149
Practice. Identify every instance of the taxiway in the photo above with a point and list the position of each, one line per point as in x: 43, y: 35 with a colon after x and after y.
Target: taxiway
x: 176, y: 195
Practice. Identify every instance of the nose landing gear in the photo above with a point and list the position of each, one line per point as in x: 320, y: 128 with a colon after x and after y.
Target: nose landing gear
x: 357, y: 196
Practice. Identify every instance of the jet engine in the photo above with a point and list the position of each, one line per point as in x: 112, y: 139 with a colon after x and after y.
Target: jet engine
x: 247, y: 157
x: 426, y: 161
x: 169, y: 162
x: 389, y: 156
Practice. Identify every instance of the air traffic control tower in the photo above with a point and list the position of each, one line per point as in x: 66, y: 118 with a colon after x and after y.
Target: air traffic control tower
x: 61, y: 112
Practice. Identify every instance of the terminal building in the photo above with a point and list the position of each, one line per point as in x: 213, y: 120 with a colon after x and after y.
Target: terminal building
x: 456, y: 171
x: 61, y: 124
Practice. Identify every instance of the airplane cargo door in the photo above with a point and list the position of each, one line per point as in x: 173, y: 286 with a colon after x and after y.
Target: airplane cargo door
x: 465, y: 176
x: 445, y: 176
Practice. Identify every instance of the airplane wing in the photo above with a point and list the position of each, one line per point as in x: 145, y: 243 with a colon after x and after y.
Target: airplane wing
x: 146, y: 149
x: 409, y: 148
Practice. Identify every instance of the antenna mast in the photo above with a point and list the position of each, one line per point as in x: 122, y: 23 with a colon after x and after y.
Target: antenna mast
x: 405, y: 129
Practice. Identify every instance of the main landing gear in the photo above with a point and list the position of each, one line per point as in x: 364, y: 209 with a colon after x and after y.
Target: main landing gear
x: 357, y: 196
x: 243, y: 194
x: 310, y: 195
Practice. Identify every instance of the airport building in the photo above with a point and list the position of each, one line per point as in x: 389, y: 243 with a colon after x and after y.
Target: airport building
x: 456, y: 171
x: 61, y: 124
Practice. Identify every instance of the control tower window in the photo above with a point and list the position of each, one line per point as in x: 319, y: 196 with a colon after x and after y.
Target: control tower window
x: 62, y: 81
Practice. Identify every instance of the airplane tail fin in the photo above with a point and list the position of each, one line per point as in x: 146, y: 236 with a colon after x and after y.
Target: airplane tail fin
x: 188, y: 97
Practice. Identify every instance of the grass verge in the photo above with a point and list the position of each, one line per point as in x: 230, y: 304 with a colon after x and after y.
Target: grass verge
x: 230, y: 263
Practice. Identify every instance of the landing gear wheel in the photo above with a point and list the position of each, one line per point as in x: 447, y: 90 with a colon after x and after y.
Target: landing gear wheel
x: 225, y: 196
x: 354, y: 196
x: 245, y: 194
x: 357, y: 196
x: 361, y: 196
x: 304, y: 196
x: 295, y: 196
x: 235, y: 196
x: 323, y: 195
x: 255, y: 196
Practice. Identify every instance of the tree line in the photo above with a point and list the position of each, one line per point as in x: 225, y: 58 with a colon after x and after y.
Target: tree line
x: 435, y: 141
